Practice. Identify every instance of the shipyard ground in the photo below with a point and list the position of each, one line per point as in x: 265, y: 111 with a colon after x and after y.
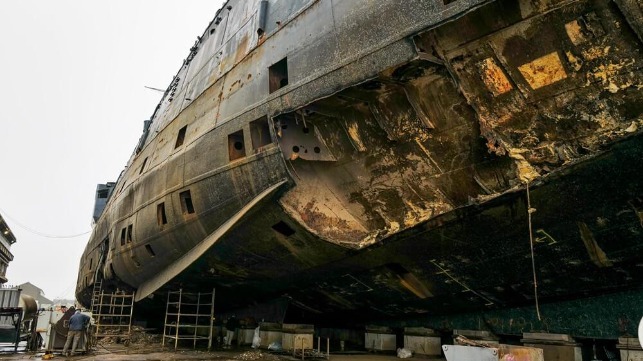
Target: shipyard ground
x: 154, y: 352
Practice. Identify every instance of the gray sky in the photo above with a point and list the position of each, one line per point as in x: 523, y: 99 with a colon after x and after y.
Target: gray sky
x: 72, y: 105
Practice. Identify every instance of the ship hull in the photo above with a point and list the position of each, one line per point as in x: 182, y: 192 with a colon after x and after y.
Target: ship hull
x: 467, y: 156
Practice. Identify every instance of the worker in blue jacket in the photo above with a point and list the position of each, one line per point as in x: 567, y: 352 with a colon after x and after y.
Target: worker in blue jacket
x: 77, y: 324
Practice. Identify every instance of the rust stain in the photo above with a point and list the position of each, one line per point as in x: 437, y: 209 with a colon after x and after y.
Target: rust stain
x: 494, y: 77
x: 574, y: 32
x: 428, y: 154
x: 286, y: 99
x: 332, y: 223
x: 543, y: 71
x: 353, y: 132
x: 574, y: 61
x: 606, y: 74
x: 242, y: 48
x: 525, y: 172
x: 419, y: 213
x: 596, y: 52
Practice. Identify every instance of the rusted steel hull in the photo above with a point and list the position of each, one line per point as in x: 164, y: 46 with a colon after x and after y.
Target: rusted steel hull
x: 350, y: 156
x: 476, y: 258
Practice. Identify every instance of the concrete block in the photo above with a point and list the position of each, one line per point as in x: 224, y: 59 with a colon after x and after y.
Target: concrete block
x: 423, y: 345
x: 297, y: 336
x: 422, y: 341
x: 380, y: 341
x: 297, y: 341
x: 556, y: 347
x: 269, y: 333
x: 630, y: 349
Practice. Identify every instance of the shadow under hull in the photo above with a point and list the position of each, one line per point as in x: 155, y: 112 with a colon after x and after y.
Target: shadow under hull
x: 587, y: 234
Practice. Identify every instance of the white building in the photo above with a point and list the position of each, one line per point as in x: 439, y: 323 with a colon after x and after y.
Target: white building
x: 6, y: 240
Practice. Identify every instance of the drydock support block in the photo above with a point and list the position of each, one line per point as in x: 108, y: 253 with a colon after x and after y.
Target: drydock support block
x: 270, y: 333
x: 297, y: 337
x: 630, y: 349
x: 422, y: 341
x: 379, y: 338
x: 555, y: 346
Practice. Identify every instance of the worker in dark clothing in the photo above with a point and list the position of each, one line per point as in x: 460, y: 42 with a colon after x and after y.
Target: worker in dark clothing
x: 231, y: 327
x: 77, y: 324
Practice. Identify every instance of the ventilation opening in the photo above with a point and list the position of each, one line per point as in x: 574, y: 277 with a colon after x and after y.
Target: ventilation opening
x: 149, y: 250
x: 91, y: 261
x: 160, y: 214
x: 278, y: 75
x: 212, y: 31
x: 180, y: 137
x: 186, y: 202
x: 447, y: 2
x: 283, y: 228
x: 129, y: 234
x: 260, y: 132
x: 123, y: 237
x: 236, y: 148
x: 143, y: 166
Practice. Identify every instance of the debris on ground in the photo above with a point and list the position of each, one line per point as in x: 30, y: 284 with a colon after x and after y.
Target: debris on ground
x: 141, y: 335
x: 404, y: 353
x: 255, y: 355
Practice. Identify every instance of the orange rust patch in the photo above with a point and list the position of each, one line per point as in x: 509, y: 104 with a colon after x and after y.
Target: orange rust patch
x: 575, y: 62
x: 595, y: 52
x: 543, y: 71
x: 242, y: 49
x: 494, y: 77
x: 574, y: 32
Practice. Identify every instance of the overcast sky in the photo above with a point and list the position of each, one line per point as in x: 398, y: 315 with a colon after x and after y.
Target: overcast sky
x: 72, y: 105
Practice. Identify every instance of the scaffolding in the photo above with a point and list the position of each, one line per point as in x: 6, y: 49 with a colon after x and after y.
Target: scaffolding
x: 189, y: 316
x: 113, y: 315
